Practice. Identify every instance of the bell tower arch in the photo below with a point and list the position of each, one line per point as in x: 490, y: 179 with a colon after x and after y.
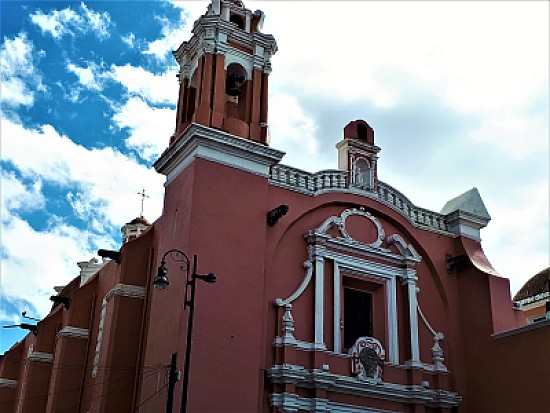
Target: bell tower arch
x: 224, y: 70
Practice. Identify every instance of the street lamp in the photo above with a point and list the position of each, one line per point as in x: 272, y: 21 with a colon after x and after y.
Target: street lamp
x: 161, y: 282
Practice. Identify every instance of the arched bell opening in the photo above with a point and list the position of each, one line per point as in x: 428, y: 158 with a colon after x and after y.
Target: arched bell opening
x: 190, y: 94
x: 236, y: 92
x: 362, y: 132
x: 238, y: 20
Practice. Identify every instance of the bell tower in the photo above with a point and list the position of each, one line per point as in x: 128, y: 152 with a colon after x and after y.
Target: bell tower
x: 224, y: 70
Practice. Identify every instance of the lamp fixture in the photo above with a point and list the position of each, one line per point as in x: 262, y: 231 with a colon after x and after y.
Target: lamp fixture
x: 160, y: 283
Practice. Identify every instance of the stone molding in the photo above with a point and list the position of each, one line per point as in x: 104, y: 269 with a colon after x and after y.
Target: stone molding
x: 301, y: 377
x: 11, y: 384
x: 212, y: 34
x: 125, y: 290
x: 198, y: 141
x: 119, y: 290
x: 73, y: 332
x: 292, y: 403
x: 39, y: 356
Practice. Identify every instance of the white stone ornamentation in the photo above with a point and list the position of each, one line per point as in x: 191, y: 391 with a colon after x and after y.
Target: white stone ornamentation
x: 367, y: 358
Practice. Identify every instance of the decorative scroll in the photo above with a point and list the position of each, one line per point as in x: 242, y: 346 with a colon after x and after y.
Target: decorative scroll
x: 437, y: 351
x: 305, y: 282
x: 340, y: 223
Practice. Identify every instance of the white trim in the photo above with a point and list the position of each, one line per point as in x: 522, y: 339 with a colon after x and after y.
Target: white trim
x: 198, y: 141
x: 319, y: 299
x: 337, y: 287
x: 379, y: 272
x: 39, y: 356
x: 290, y: 402
x: 12, y: 384
x: 532, y: 301
x: 299, y: 376
x: 413, y: 321
x: 119, y: 290
x: 73, y: 332
x: 393, y: 340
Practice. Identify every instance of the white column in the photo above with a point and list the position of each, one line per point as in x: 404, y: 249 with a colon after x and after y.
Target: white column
x: 413, y: 318
x: 319, y: 301
x: 393, y: 356
x: 337, y: 309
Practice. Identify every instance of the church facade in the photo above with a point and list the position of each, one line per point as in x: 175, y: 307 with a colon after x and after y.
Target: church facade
x: 333, y: 292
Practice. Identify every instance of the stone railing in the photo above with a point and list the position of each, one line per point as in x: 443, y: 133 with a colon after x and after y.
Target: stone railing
x: 420, y: 216
x: 314, y: 183
x: 306, y: 182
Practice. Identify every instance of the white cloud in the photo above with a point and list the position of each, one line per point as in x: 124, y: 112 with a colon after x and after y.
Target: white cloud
x: 101, y: 185
x: 68, y: 22
x: 91, y: 77
x: 46, y: 155
x: 36, y: 254
x: 516, y: 240
x: 18, y: 74
x: 174, y: 32
x: 9, y: 318
x: 17, y: 196
x: 293, y: 131
x: 129, y: 39
x: 150, y: 127
x: 155, y: 88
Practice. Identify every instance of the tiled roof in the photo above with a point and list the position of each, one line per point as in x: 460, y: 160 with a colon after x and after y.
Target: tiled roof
x: 536, y: 285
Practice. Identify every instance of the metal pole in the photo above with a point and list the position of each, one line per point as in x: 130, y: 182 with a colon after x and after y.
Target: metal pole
x: 191, y: 304
x: 172, y: 378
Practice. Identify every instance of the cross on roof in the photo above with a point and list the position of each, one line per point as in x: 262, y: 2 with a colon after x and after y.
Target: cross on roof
x: 143, y: 196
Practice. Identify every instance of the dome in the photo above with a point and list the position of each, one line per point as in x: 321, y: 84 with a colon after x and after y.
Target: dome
x: 537, y: 284
x: 139, y: 220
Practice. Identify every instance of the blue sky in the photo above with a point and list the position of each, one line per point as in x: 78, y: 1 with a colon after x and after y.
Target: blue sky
x: 457, y: 93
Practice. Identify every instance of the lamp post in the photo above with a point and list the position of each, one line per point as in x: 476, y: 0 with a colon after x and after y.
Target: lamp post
x: 161, y: 282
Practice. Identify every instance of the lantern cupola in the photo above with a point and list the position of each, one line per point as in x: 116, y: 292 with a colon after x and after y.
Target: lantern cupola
x: 358, y: 155
x: 223, y: 72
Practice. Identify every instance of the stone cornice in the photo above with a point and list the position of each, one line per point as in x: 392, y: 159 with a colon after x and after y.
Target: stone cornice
x: 73, y: 332
x: 39, y: 356
x: 302, y: 377
x: 198, y: 141
x: 466, y: 224
x: 12, y: 384
x: 125, y: 290
x: 211, y: 34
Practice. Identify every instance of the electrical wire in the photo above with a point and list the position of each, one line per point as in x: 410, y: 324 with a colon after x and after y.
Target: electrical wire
x: 78, y: 388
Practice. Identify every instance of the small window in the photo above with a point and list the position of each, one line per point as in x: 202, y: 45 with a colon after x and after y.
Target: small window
x: 357, y: 316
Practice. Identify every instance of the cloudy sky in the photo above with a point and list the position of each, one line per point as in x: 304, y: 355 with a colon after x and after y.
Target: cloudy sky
x: 457, y: 93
